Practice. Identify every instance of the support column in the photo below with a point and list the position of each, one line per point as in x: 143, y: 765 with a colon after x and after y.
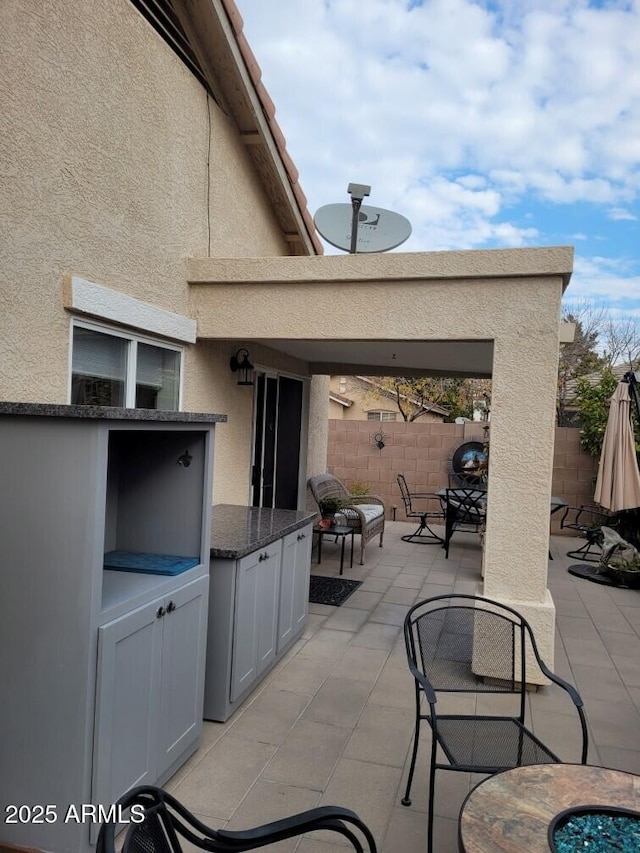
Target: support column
x: 516, y: 551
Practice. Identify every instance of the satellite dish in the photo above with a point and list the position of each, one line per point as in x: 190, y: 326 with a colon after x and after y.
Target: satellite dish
x: 378, y: 230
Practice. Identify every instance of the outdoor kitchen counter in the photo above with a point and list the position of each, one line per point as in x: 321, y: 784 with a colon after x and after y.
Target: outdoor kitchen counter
x: 239, y: 530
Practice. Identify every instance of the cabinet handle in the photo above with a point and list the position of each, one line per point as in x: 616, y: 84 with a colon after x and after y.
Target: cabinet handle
x: 301, y: 536
x: 263, y: 556
x: 160, y: 612
x: 171, y: 607
x: 266, y: 555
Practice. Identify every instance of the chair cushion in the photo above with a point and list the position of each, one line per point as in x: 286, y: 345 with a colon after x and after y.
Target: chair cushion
x: 370, y: 511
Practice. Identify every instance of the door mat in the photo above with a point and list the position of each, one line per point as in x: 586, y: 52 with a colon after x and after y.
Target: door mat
x: 334, y: 591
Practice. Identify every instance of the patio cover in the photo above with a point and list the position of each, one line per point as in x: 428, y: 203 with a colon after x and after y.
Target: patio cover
x: 618, y: 483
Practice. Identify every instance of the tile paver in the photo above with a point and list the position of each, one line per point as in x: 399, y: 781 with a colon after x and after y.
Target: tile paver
x: 333, y: 723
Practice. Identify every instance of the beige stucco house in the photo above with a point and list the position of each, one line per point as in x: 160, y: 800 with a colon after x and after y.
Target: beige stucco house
x: 153, y: 226
x: 360, y: 398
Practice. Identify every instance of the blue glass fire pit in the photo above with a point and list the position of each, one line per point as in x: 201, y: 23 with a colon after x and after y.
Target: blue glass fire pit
x: 595, y: 829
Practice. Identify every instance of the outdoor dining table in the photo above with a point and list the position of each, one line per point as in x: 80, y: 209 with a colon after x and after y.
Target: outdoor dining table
x: 480, y: 495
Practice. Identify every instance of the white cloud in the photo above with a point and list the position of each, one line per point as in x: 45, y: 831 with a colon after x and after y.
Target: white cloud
x: 456, y: 111
x: 619, y: 214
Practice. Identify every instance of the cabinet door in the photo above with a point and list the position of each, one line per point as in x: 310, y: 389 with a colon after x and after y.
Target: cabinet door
x: 255, y: 618
x: 128, y: 689
x: 183, y: 649
x: 300, y: 597
x: 268, y: 591
x: 245, y: 628
x: 294, y: 585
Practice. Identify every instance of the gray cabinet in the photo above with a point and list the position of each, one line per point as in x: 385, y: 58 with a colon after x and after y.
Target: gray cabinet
x: 104, y: 694
x: 294, y: 586
x: 257, y: 609
x: 150, y: 680
x: 256, y: 617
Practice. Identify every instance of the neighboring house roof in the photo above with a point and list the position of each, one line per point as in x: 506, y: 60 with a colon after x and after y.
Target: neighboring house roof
x: 341, y: 399
x: 214, y: 30
x: 618, y: 371
x: 370, y: 383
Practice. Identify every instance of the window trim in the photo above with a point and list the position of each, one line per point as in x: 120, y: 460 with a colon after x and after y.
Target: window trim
x: 132, y: 357
x: 380, y: 413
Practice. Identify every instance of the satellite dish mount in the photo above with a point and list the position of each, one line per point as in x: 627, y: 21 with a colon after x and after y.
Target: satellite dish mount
x: 356, y: 228
x: 357, y: 193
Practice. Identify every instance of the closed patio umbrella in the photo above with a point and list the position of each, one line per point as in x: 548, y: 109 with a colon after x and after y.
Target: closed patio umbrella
x: 618, y: 483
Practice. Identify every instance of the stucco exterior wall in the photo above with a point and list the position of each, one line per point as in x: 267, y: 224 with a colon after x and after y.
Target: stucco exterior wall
x: 365, y: 400
x: 117, y: 166
x: 510, y: 299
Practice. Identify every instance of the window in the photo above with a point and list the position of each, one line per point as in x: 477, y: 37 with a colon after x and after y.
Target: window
x: 381, y: 416
x: 110, y: 368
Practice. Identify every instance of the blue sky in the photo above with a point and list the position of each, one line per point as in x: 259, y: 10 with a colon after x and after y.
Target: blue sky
x: 486, y: 124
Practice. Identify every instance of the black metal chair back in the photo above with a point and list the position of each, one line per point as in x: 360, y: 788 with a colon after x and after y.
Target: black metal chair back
x: 465, y: 509
x: 428, y: 508
x: 587, y: 521
x: 474, y: 645
x: 158, y: 823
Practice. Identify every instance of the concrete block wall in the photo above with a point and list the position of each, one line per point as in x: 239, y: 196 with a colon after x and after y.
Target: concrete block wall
x: 421, y: 451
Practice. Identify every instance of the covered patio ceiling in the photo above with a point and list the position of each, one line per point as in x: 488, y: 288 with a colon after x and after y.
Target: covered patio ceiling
x: 460, y: 358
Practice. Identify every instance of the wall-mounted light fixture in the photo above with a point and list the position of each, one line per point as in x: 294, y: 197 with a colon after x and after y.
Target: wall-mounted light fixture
x: 378, y: 439
x: 240, y: 362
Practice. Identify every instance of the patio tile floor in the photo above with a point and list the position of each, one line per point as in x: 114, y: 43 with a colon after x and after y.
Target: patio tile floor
x: 333, y: 722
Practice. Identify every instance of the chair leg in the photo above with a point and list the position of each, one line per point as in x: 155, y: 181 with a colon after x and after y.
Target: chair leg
x: 432, y: 785
x: 406, y: 800
x: 585, y: 553
x: 421, y: 538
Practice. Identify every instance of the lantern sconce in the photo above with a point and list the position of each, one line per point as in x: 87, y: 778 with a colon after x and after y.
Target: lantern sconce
x: 378, y: 439
x: 240, y: 362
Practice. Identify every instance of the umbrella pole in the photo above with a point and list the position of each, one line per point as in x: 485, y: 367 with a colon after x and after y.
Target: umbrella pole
x: 629, y: 524
x: 633, y: 379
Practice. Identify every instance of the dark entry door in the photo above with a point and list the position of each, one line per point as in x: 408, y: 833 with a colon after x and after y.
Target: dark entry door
x: 276, y: 452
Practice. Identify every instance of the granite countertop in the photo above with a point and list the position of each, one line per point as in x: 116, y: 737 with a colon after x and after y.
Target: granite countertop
x: 239, y: 530
x: 112, y: 413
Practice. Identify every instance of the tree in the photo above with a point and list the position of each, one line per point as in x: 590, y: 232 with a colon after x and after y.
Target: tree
x: 415, y: 396
x: 580, y: 356
x: 593, y: 405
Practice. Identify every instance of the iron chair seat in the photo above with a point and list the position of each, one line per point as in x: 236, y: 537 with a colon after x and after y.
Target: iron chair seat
x: 470, y: 645
x: 465, y: 510
x: 430, y: 509
x: 587, y: 522
x: 166, y: 825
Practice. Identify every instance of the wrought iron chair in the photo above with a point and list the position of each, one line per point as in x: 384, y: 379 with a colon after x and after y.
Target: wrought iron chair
x: 587, y: 522
x: 472, y: 645
x: 158, y: 823
x: 465, y: 509
x: 429, y: 509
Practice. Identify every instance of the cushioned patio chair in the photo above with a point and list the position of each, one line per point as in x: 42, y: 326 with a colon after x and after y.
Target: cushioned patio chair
x: 466, y: 644
x: 158, y: 823
x: 427, y: 507
x: 364, y: 513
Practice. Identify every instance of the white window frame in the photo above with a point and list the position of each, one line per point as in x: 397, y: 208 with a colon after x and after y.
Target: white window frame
x: 134, y: 338
x: 379, y: 413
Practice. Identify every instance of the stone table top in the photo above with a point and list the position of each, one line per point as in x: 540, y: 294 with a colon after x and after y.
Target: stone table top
x: 108, y: 413
x: 238, y: 530
x: 511, y: 811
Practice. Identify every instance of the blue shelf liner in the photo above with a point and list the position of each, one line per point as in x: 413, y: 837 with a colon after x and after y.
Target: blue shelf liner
x: 153, y: 564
